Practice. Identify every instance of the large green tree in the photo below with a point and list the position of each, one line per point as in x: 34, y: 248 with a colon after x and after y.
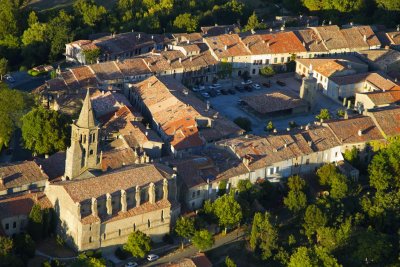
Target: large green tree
x: 3, y: 67
x: 296, y: 199
x: 203, y: 240
x: 313, y: 219
x: 228, y: 211
x: 185, y: 228
x: 35, y: 223
x: 264, y: 235
x: 90, y: 12
x: 312, y: 257
x: 138, y: 244
x: 44, y: 131
x: 186, y: 23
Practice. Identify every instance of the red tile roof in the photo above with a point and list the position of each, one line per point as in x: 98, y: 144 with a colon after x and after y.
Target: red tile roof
x: 21, y: 173
x: 388, y: 120
x: 22, y: 204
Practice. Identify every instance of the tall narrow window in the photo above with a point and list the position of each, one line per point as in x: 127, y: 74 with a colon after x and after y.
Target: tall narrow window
x: 162, y: 216
x: 148, y: 223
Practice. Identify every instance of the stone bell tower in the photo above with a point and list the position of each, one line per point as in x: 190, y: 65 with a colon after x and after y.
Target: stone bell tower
x: 308, y: 89
x: 82, y: 155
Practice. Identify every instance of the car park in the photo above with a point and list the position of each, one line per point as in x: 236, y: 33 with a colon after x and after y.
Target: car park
x: 131, y: 264
x: 152, y: 257
x: 247, y: 82
x: 256, y: 86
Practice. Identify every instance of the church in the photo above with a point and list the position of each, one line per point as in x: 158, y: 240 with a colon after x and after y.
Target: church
x: 99, y: 208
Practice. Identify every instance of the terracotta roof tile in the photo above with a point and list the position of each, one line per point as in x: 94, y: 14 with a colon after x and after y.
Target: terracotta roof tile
x: 331, y: 36
x: 106, y: 71
x: 22, y: 204
x: 348, y: 131
x: 21, y: 173
x: 388, y: 120
x: 84, y: 76
x: 312, y: 41
x: 234, y: 47
x: 80, y: 190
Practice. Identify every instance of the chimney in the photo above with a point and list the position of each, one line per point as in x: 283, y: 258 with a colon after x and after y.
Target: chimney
x: 330, y: 22
x: 346, y: 115
x: 139, y: 35
x: 268, y: 44
x: 360, y: 132
x: 398, y: 28
x: 191, y: 58
x: 180, y: 60
x: 152, y: 37
x: 146, y: 133
x: 2, y: 179
x: 365, y: 38
x: 149, y: 84
x: 226, y: 47
x: 310, y: 143
x: 285, y: 145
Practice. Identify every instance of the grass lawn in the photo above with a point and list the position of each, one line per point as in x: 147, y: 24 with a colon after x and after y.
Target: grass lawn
x: 236, y: 251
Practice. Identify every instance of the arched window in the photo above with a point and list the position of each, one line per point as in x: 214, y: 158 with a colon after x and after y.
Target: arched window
x: 162, y: 216
x: 104, y: 236
x: 148, y: 223
x: 134, y: 227
x: 119, y: 232
x: 90, y: 239
x: 91, y: 152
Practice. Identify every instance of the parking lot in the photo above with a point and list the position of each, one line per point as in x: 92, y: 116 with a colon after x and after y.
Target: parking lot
x: 228, y: 105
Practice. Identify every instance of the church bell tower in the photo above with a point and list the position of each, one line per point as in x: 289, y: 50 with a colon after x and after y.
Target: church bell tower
x: 308, y: 89
x: 82, y: 155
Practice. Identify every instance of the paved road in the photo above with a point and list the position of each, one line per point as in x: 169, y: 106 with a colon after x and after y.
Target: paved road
x: 191, y: 250
x: 25, y: 82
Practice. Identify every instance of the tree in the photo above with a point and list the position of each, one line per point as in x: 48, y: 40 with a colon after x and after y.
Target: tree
x: 323, y: 115
x: 312, y: 257
x: 91, y: 55
x: 314, y: 218
x: 325, y: 173
x: 24, y: 245
x: 202, y: 240
x: 229, y: 262
x: 270, y: 126
x: 253, y: 23
x: 222, y: 188
x: 44, y: 131
x: 89, y: 11
x: 264, y: 235
x: 185, y: 228
x: 243, y: 123
x: 84, y: 261
x: 60, y: 33
x: 392, y: 5
x: 186, y: 22
x: 339, y: 187
x: 228, y: 211
x: 35, y: 228
x: 6, y: 246
x: 267, y: 71
x: 332, y: 238
x: 296, y: 200
x: 13, y: 104
x: 3, y: 67
x: 351, y: 155
x: 138, y: 244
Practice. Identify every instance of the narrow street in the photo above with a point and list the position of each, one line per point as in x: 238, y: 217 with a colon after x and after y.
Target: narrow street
x: 191, y: 250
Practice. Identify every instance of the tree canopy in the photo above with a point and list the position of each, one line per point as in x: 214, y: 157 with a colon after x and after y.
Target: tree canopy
x: 228, y: 211
x: 203, y: 240
x: 44, y: 131
x: 138, y: 244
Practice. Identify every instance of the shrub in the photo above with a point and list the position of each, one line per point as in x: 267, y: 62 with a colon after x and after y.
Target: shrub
x: 267, y: 71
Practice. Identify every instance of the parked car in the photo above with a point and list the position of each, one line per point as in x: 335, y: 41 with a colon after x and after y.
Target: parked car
x: 256, y: 86
x: 231, y: 91
x: 248, y: 88
x: 280, y: 83
x: 196, y: 89
x: 247, y: 82
x: 9, y: 78
x: 224, y: 91
x: 205, y: 95
x: 202, y: 87
x: 216, y: 85
x: 268, y: 84
x: 131, y: 264
x: 152, y: 257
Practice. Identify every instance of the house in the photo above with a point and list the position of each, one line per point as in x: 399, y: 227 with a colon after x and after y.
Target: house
x: 228, y: 48
x: 115, y: 46
x: 356, y: 132
x: 333, y: 38
x: 183, y: 121
x: 386, y: 60
x: 200, y: 175
x: 15, y: 211
x: 361, y: 38
x: 394, y: 38
x: 324, y: 69
x: 199, y: 260
x: 275, y: 49
x: 387, y: 120
x: 275, y: 157
x: 312, y: 42
x: 340, y: 87
x: 220, y: 29
x: 20, y: 177
x: 372, y: 100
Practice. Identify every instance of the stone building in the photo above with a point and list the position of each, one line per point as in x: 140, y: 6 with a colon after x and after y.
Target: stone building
x: 98, y: 208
